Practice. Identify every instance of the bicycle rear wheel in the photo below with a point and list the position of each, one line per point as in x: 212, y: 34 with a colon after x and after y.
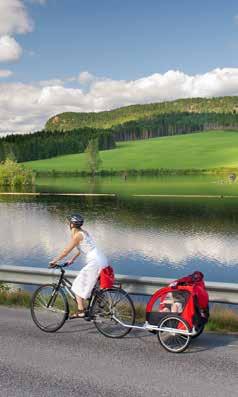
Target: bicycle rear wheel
x: 109, y: 305
x: 49, y: 308
x: 172, y: 341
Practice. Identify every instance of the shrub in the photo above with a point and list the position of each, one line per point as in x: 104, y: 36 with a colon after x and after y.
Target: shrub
x: 15, y: 298
x: 13, y: 174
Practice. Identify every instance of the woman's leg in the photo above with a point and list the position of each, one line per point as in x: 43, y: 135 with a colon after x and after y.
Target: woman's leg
x: 80, y: 302
x: 84, y: 283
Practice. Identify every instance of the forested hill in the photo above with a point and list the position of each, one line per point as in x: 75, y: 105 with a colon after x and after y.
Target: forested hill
x: 71, y: 132
x: 137, y: 113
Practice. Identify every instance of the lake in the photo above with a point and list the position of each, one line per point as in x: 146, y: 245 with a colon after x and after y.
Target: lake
x: 149, y: 236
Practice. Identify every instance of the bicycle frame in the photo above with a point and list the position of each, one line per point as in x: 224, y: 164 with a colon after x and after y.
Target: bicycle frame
x: 67, y: 285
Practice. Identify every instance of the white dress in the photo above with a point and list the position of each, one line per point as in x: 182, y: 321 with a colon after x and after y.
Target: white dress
x: 95, y: 261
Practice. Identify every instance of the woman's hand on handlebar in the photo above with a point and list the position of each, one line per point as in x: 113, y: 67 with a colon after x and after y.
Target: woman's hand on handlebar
x: 70, y: 262
x: 53, y: 264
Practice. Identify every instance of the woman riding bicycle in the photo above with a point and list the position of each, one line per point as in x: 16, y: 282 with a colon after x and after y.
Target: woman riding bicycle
x: 95, y: 261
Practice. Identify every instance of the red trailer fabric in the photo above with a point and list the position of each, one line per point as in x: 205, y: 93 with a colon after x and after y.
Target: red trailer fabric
x: 187, y: 294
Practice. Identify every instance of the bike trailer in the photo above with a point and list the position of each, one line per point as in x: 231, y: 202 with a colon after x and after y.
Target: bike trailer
x: 186, y: 297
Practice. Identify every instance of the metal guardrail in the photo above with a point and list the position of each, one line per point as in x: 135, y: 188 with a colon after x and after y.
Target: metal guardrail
x: 218, y: 292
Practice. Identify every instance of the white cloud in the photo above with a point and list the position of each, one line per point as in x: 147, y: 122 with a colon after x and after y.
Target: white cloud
x: 5, y: 73
x: 14, y: 18
x: 61, y: 96
x: 85, y: 77
x: 10, y: 50
x: 41, y: 2
x: 71, y: 79
x: 26, y: 107
x: 52, y: 82
x: 168, y: 86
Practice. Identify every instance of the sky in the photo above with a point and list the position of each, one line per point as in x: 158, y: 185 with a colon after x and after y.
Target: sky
x: 94, y: 55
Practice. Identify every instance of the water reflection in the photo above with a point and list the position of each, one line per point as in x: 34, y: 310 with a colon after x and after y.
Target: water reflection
x: 152, y: 237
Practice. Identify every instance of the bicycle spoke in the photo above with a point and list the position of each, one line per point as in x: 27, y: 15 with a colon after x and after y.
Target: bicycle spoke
x: 172, y: 341
x: 42, y: 300
x: 113, y: 304
x: 49, y: 317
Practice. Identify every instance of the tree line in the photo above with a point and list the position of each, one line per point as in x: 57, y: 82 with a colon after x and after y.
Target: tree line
x: 174, y: 124
x: 46, y: 144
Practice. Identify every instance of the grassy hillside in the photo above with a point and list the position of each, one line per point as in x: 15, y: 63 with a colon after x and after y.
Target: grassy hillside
x: 206, y: 150
x: 108, y: 119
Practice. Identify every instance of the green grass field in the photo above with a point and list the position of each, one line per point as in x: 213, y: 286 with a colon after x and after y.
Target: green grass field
x: 206, y: 150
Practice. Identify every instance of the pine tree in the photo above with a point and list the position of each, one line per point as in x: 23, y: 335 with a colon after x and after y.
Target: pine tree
x: 93, y: 156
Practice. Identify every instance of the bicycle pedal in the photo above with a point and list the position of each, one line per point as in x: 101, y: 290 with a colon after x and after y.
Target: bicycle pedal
x: 86, y: 318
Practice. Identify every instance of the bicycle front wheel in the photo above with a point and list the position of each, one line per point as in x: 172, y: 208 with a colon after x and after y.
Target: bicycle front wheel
x: 49, y: 308
x: 109, y: 306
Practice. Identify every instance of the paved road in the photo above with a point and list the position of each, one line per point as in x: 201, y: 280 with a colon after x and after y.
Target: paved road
x: 77, y: 361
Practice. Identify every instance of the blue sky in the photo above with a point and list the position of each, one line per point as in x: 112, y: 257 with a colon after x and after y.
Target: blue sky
x: 128, y: 39
x: 75, y: 55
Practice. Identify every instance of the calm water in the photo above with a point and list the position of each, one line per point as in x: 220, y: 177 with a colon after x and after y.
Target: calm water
x: 141, y: 236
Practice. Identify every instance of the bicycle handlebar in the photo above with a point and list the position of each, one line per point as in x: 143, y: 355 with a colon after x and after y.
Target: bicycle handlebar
x: 59, y: 266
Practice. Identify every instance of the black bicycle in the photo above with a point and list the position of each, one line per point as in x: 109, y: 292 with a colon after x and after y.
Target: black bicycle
x: 50, y: 307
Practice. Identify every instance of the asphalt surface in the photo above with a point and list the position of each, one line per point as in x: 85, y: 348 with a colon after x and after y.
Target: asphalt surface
x: 78, y: 361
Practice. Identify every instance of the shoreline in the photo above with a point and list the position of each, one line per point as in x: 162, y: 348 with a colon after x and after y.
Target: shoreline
x: 54, y: 194
x: 217, y: 196
x: 138, y: 172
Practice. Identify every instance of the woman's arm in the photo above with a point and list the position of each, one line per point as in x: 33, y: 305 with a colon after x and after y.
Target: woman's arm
x: 73, y: 243
x: 73, y: 259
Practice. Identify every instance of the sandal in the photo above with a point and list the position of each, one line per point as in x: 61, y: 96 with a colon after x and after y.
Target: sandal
x: 78, y: 314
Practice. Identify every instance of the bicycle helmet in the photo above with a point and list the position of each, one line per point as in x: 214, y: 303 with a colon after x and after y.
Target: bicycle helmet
x: 76, y: 219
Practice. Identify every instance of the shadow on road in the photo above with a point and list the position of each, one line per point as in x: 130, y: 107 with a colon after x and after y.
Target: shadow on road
x: 207, y: 341
x: 80, y: 325
x: 210, y: 341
